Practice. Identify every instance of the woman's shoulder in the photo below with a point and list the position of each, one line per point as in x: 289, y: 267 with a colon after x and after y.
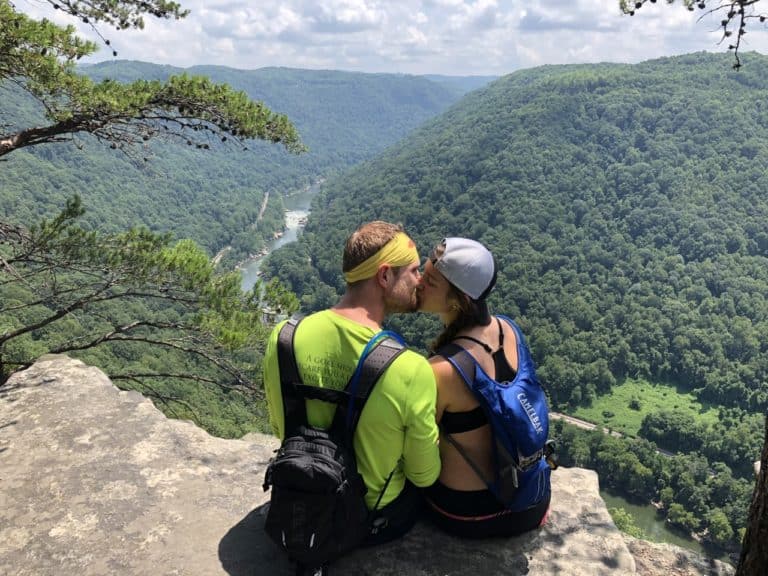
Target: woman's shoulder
x: 441, y: 365
x: 446, y: 376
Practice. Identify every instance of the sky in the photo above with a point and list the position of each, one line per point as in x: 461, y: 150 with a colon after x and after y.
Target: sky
x: 453, y: 37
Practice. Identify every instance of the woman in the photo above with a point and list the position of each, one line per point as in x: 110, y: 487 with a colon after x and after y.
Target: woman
x: 457, y: 279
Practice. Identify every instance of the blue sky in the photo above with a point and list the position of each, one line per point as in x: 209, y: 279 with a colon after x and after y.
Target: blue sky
x: 456, y: 37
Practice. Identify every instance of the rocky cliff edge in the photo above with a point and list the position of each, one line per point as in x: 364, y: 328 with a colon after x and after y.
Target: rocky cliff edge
x: 97, y: 481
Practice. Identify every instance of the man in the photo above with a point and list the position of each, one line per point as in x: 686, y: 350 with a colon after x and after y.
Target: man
x: 396, y: 435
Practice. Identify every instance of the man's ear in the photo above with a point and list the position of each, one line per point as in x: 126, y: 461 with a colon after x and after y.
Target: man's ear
x: 384, y: 275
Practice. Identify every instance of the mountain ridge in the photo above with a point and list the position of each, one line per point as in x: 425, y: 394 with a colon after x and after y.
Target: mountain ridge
x: 213, y: 196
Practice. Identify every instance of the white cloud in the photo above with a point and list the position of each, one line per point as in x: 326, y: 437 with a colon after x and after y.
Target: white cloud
x: 414, y: 36
x: 345, y: 16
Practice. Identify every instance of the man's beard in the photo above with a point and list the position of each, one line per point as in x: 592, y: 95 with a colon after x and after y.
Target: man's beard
x: 395, y: 305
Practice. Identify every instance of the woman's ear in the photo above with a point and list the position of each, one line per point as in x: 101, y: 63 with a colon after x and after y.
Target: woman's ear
x: 459, y: 301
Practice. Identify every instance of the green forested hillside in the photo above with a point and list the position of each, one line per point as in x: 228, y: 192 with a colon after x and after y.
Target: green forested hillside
x: 626, y: 206
x: 214, y: 196
x: 217, y: 197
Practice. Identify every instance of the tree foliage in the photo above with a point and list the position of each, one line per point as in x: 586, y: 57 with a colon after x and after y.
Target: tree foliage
x: 735, y: 17
x: 121, y: 14
x: 220, y: 197
x: 40, y: 57
x: 626, y: 523
x: 696, y: 496
x: 66, y: 289
x: 153, y: 312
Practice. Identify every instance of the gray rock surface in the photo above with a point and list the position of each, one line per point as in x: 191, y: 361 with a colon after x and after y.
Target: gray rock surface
x: 97, y: 481
x: 668, y: 560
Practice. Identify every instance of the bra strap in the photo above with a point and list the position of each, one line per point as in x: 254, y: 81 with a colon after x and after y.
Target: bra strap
x: 483, y: 344
x: 476, y: 341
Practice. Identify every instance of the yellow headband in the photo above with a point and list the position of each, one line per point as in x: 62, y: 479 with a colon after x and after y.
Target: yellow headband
x: 400, y: 251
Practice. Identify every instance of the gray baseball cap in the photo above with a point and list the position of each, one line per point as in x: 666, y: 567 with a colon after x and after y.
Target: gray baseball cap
x: 468, y: 265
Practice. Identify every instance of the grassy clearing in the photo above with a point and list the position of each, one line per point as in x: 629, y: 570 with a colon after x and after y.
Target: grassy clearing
x: 624, y: 409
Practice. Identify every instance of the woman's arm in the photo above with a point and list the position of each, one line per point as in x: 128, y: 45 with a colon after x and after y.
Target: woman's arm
x: 445, y: 377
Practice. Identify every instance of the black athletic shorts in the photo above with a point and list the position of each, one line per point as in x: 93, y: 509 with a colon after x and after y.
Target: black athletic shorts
x: 478, y: 514
x: 396, y: 518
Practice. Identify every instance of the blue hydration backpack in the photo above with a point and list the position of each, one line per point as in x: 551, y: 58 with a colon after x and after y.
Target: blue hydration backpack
x: 519, y: 418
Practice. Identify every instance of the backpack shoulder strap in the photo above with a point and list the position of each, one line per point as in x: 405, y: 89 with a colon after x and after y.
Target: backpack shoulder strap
x: 373, y: 366
x: 294, y: 407
x: 524, y: 358
x: 462, y: 361
x: 518, y: 333
x: 513, y: 325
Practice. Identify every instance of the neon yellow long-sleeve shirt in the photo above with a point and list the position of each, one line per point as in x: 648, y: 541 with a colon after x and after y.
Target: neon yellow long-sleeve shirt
x: 398, y: 421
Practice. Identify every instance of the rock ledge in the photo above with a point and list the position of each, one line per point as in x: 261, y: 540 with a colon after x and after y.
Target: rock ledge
x: 97, y: 481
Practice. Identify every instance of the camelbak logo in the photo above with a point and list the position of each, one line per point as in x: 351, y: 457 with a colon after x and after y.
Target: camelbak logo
x: 531, y: 412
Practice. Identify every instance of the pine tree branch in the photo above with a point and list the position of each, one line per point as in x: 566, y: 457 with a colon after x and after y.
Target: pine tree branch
x: 119, y: 335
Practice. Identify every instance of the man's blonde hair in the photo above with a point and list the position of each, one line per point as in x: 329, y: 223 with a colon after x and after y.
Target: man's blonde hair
x: 366, y: 241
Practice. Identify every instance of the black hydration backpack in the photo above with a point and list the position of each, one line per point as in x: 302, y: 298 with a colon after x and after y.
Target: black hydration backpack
x: 317, y: 511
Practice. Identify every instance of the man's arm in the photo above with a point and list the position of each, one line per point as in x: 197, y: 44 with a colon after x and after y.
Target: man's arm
x: 421, y: 454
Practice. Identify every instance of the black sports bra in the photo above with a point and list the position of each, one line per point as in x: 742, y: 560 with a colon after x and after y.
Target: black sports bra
x: 504, y: 372
x: 458, y: 422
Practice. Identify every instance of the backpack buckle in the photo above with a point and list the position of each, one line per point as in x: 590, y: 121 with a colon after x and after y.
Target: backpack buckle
x: 303, y: 570
x: 550, y: 456
x: 379, y: 523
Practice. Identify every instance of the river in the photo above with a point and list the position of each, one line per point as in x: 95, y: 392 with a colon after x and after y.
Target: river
x: 651, y: 523
x: 297, y: 205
